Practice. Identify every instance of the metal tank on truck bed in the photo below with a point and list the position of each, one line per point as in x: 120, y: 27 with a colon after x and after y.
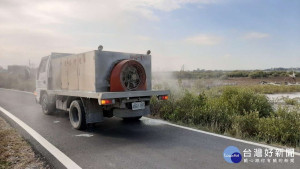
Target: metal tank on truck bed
x: 96, y: 84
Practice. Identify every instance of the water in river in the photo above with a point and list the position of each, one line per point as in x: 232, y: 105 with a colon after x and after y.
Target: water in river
x: 283, y: 95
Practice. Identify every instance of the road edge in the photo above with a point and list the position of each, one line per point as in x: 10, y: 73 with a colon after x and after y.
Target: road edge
x: 60, y: 156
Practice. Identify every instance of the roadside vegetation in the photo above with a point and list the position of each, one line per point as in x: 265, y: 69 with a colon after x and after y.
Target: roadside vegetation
x: 15, y: 152
x: 234, y: 111
x: 289, y: 101
x: 16, y: 81
x: 255, y: 74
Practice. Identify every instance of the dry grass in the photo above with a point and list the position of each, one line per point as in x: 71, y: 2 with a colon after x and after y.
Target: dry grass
x: 15, y: 152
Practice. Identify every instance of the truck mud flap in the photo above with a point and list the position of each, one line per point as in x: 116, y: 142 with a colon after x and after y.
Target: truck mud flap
x: 93, y: 111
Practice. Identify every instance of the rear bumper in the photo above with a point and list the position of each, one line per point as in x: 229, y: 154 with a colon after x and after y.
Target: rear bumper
x: 131, y: 113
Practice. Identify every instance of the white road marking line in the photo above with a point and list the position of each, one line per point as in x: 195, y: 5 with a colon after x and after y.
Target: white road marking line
x: 60, y: 156
x: 56, y: 121
x: 84, y: 135
x: 216, y: 135
x: 200, y: 131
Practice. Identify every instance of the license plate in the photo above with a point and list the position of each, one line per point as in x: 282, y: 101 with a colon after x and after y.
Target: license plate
x: 138, y: 105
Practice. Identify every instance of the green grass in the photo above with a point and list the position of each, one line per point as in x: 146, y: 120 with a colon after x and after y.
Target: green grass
x: 4, y: 164
x: 235, y: 111
x: 290, y: 101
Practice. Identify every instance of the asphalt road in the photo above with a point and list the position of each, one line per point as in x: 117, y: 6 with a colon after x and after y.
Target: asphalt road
x: 117, y: 144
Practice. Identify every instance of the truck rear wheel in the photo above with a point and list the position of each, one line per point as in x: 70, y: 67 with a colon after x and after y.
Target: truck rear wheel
x: 77, y: 115
x: 46, y: 106
x: 132, y: 118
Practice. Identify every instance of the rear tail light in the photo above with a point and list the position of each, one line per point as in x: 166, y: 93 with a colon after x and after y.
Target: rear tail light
x: 165, y: 97
x: 107, y: 101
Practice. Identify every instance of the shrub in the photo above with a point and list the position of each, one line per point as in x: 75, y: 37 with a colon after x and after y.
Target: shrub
x: 215, y: 110
x: 289, y: 101
x: 238, y: 73
x: 239, y: 111
x: 246, y: 125
x: 162, y: 109
x: 258, y: 74
x: 282, y: 127
x: 241, y: 101
x: 218, y: 116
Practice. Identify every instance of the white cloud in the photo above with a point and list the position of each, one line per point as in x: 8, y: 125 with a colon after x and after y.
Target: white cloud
x: 31, y: 29
x: 169, y: 5
x: 227, y: 56
x: 145, y: 38
x: 204, y: 39
x: 256, y: 35
x: 55, y: 11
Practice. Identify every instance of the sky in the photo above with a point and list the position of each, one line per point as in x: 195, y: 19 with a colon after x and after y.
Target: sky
x: 204, y: 34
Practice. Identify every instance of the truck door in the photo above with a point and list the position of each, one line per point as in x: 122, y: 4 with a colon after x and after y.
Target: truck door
x: 42, y: 77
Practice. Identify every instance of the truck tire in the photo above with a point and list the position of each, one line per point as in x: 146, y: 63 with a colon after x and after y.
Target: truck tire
x: 77, y: 115
x: 132, y: 118
x: 46, y: 106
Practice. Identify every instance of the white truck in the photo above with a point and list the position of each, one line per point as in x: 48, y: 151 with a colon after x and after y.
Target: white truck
x: 96, y: 84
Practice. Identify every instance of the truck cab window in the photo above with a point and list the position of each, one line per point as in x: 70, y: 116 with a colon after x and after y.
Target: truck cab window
x: 42, y: 67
